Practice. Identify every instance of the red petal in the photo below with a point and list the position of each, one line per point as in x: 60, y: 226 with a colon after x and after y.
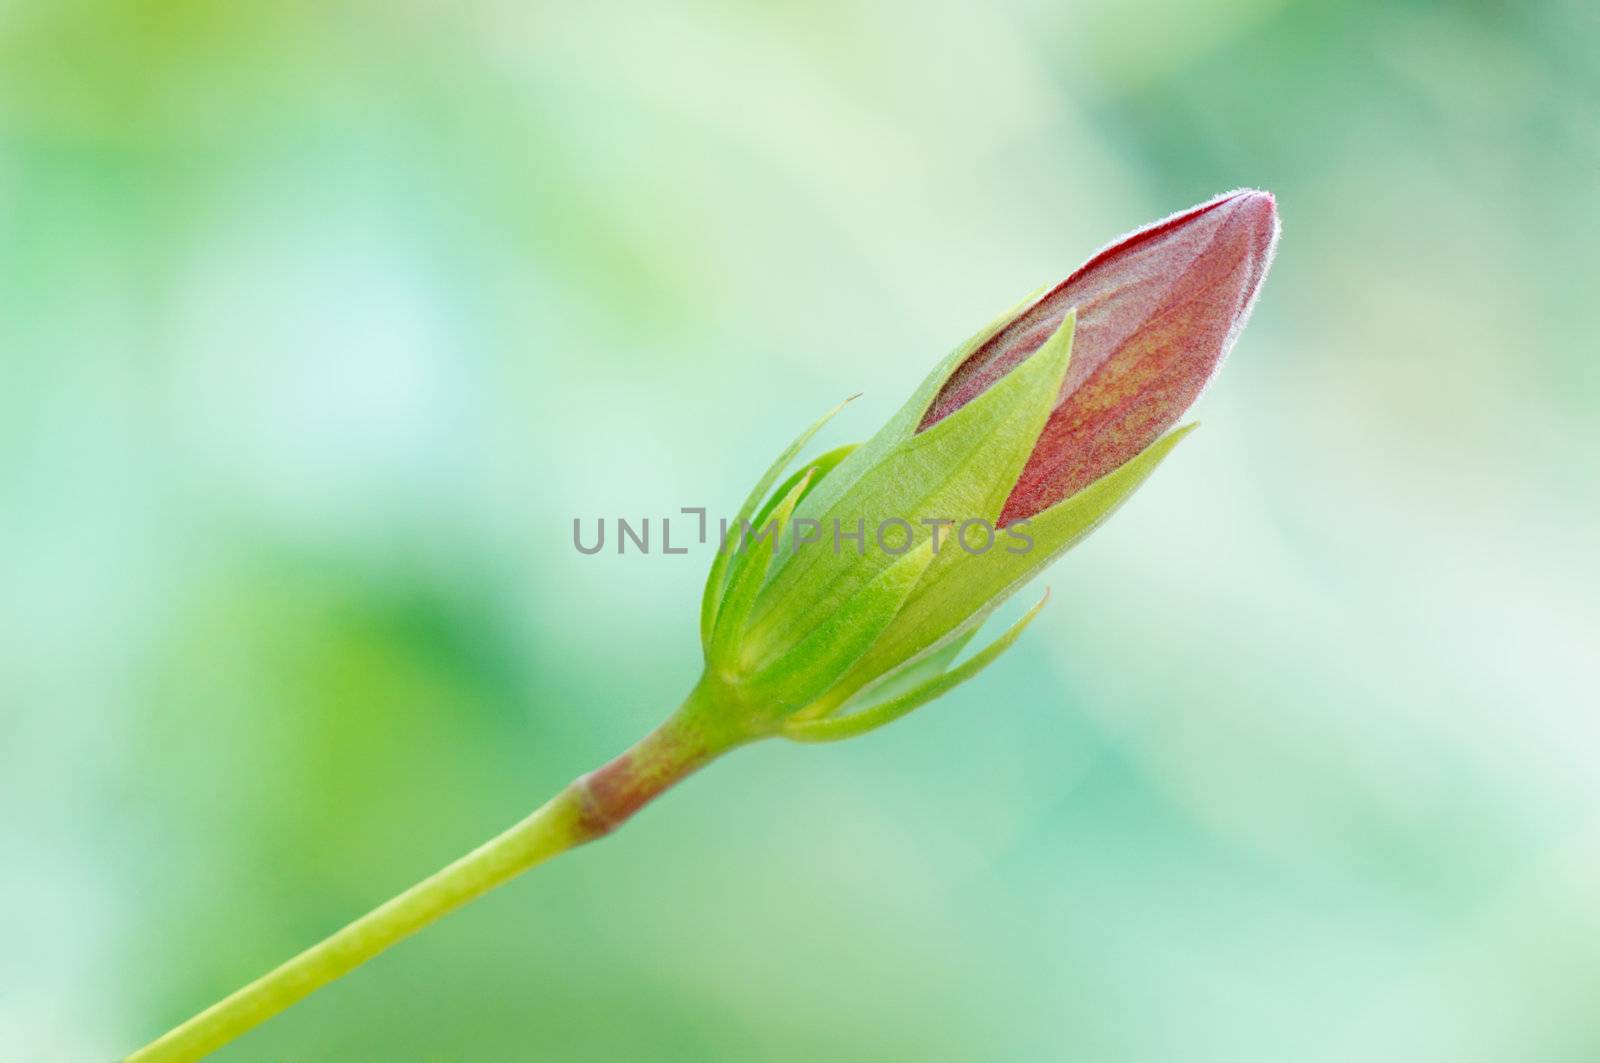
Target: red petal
x: 1157, y: 311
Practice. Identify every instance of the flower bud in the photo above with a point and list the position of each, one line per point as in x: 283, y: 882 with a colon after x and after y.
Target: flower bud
x: 1039, y: 426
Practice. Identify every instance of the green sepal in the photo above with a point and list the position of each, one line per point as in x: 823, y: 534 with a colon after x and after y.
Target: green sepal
x: 806, y: 671
x: 903, y: 425
x: 870, y: 719
x: 962, y: 467
x: 961, y: 589
x: 711, y: 599
x: 748, y: 572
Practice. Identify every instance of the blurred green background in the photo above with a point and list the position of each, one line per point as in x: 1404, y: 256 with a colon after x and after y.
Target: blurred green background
x: 320, y: 323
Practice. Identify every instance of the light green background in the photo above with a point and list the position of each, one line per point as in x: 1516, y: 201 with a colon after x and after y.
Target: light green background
x: 319, y: 324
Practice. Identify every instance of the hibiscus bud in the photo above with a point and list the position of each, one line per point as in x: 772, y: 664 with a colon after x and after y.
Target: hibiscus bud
x: 1157, y: 312
x: 1045, y: 421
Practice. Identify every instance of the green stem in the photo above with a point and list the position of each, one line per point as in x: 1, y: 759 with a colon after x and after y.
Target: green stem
x: 587, y: 808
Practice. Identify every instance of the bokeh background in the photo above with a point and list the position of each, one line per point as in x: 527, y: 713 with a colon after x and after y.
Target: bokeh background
x: 320, y: 323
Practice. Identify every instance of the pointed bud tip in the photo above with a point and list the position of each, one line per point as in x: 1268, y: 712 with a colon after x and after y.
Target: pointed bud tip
x: 1255, y: 195
x: 1258, y: 210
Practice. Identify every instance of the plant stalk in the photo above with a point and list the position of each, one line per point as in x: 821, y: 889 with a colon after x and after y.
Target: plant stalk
x: 588, y: 808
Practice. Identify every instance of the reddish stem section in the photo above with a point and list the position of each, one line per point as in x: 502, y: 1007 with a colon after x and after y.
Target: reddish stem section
x: 685, y: 743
